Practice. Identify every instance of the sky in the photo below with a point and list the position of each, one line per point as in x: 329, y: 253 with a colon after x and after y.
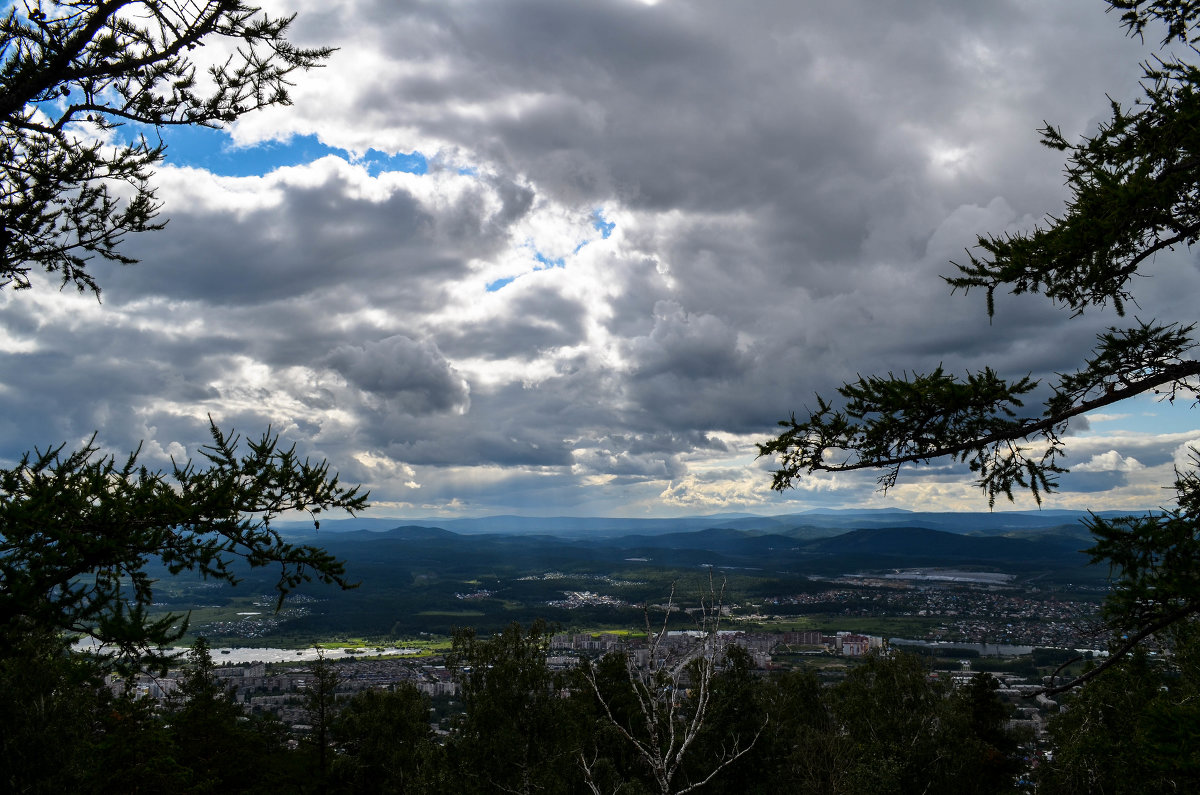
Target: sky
x: 553, y: 258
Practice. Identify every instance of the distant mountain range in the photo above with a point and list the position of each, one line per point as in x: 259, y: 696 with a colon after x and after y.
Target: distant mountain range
x: 432, y: 575
x: 810, y: 524
x: 816, y: 542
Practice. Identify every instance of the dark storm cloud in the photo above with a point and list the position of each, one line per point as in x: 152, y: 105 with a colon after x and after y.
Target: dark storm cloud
x: 698, y: 348
x: 536, y: 321
x: 321, y: 239
x: 641, y: 457
x: 772, y: 99
x: 661, y: 442
x: 788, y: 183
x: 1092, y: 482
x: 469, y: 443
x: 629, y: 466
x: 414, y: 376
x: 73, y: 384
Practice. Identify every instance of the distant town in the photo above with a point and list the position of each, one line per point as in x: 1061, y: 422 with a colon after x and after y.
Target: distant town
x: 279, y: 688
x: 968, y: 609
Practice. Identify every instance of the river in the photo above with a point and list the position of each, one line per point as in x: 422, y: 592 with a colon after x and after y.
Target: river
x: 242, y: 656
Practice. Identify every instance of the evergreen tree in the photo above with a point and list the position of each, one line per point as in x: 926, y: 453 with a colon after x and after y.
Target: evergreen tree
x: 737, y: 716
x: 1133, y: 728
x: 803, y: 747
x: 221, y: 748
x: 1133, y: 194
x: 909, y: 732
x: 50, y: 704
x: 72, y: 72
x: 320, y: 702
x: 78, y: 530
x: 518, y: 733
x: 385, y: 743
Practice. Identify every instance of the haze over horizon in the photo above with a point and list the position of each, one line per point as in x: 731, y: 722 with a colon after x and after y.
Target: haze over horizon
x: 532, y: 257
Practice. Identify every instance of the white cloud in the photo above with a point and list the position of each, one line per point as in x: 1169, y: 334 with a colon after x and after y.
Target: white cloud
x: 1111, y: 461
x: 787, y: 183
x: 1187, y: 455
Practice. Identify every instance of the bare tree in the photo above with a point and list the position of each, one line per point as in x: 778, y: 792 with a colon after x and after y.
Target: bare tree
x: 671, y: 686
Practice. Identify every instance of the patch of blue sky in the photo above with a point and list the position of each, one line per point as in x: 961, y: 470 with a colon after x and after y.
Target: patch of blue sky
x: 1145, y: 415
x: 605, y: 228
x: 500, y: 283
x: 543, y: 263
x: 601, y: 224
x: 213, y: 150
x: 546, y: 262
x: 378, y: 162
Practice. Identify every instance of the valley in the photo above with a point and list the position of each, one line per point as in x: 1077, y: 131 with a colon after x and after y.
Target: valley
x: 1014, y: 578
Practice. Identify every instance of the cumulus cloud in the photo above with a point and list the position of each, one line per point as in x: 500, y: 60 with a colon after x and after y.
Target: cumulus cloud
x: 412, y: 375
x: 1187, y: 455
x: 712, y: 491
x: 1112, y: 461
x: 646, y: 233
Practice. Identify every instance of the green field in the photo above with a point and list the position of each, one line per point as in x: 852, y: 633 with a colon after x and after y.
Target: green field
x: 453, y: 613
x: 430, y: 588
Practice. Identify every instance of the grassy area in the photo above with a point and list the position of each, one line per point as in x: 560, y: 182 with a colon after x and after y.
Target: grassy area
x: 885, y: 626
x: 202, y: 613
x: 433, y: 645
x: 452, y: 613
x: 824, y: 664
x: 789, y: 624
x: 624, y: 632
x: 350, y: 643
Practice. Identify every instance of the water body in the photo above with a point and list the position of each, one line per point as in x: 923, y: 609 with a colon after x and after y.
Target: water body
x: 243, y: 656
x: 952, y: 576
x: 984, y: 649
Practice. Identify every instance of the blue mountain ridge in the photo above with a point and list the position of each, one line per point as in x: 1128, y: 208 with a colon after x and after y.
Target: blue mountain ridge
x: 812, y: 524
x: 873, y: 547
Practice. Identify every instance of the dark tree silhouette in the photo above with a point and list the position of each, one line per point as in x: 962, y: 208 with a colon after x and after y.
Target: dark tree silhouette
x: 1134, y: 188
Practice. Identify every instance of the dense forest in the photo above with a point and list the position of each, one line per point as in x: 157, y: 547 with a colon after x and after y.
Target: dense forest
x: 610, y: 726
